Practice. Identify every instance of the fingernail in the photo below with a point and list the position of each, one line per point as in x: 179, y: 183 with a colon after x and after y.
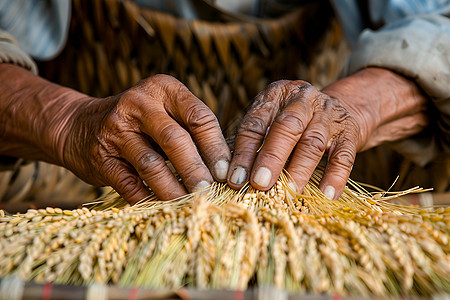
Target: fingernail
x: 262, y: 177
x: 221, y: 169
x: 202, y: 185
x: 329, y: 192
x: 239, y: 176
x: 291, y: 194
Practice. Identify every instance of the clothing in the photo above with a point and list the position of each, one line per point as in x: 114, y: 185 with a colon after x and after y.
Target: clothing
x: 418, y: 48
x: 44, y: 32
x: 10, y: 52
x: 355, y: 16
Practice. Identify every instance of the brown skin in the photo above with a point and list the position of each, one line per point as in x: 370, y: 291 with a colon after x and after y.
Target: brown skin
x: 111, y: 141
x: 292, y: 118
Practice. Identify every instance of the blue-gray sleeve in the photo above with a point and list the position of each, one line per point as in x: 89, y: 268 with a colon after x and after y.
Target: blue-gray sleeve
x: 11, y: 53
x: 419, y: 48
x: 40, y: 27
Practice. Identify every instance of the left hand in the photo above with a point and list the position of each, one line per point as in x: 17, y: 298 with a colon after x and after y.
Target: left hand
x: 292, y: 119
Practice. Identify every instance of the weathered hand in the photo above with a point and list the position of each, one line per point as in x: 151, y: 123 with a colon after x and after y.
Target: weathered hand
x: 116, y: 141
x: 301, y: 120
x: 292, y: 119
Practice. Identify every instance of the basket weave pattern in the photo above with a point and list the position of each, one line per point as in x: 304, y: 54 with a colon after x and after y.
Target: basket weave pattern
x: 113, y: 44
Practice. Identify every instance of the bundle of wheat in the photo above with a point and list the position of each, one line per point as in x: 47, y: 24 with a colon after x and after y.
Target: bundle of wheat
x: 225, y: 239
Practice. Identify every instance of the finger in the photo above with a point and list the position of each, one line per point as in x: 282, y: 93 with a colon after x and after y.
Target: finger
x: 179, y: 148
x: 152, y: 168
x: 126, y: 182
x: 205, y: 130
x: 251, y: 132
x: 284, y: 134
x: 309, y: 150
x: 341, y: 157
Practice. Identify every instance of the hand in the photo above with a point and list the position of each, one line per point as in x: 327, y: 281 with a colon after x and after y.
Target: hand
x: 292, y: 119
x: 116, y: 141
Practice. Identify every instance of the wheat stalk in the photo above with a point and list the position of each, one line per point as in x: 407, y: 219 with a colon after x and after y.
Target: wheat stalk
x: 359, y: 245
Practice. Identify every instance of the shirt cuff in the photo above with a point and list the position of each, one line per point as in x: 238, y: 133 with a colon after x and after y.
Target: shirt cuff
x: 11, y: 53
x: 418, y: 48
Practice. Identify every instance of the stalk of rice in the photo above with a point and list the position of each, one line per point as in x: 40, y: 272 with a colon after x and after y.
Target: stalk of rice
x: 219, y: 238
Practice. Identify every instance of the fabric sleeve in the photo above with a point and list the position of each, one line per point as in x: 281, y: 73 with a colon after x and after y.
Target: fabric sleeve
x: 40, y: 27
x: 418, y: 48
x: 11, y: 53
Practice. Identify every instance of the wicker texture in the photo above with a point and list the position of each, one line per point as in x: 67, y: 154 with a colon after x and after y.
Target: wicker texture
x: 113, y: 44
x: 39, y: 184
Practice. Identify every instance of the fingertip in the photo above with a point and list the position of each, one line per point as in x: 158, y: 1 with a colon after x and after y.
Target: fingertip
x: 221, y: 170
x: 332, y: 185
x: 262, y: 179
x: 329, y: 192
x: 292, y: 190
x: 237, y: 177
x: 133, y: 194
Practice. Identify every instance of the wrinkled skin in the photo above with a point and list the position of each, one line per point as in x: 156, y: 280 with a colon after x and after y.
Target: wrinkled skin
x: 303, y: 121
x: 292, y: 119
x: 126, y: 131
x: 121, y: 141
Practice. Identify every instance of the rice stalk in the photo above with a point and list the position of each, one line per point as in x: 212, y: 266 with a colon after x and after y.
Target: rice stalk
x: 219, y: 238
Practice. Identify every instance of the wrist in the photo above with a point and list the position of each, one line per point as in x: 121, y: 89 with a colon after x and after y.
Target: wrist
x: 378, y: 98
x: 58, y: 121
x: 35, y: 114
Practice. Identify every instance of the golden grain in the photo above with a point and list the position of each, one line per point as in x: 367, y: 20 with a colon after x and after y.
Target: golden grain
x: 359, y: 245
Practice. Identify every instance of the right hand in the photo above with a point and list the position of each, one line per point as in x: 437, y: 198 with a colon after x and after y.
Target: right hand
x: 292, y: 120
x: 114, y: 141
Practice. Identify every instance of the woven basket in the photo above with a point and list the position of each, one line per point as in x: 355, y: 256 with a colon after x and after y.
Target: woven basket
x: 39, y: 184
x: 226, y: 62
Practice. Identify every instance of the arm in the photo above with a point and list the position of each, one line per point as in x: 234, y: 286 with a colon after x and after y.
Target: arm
x: 391, y: 106
x: 377, y: 102
x: 418, y: 48
x: 115, y: 140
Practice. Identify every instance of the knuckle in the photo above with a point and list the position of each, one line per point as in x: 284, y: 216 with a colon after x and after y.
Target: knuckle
x: 156, y: 80
x: 127, y: 183
x: 199, y: 116
x: 193, y: 168
x: 172, y: 136
x: 341, y: 114
x: 332, y: 106
x: 277, y: 84
x: 272, y: 158
x: 127, y: 100
x: 272, y: 92
x: 252, y: 126
x: 148, y: 162
x: 304, y: 88
x: 316, y: 142
x: 163, y: 77
x: 344, y: 156
x: 299, y: 173
x: 291, y: 123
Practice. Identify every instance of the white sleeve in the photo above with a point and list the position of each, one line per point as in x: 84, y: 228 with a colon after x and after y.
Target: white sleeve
x: 418, y: 48
x: 11, y: 53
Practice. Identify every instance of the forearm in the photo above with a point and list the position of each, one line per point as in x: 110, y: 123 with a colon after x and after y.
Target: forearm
x: 390, y: 106
x: 34, y: 113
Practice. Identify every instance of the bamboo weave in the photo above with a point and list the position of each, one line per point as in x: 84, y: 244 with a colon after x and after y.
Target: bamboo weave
x: 113, y: 44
